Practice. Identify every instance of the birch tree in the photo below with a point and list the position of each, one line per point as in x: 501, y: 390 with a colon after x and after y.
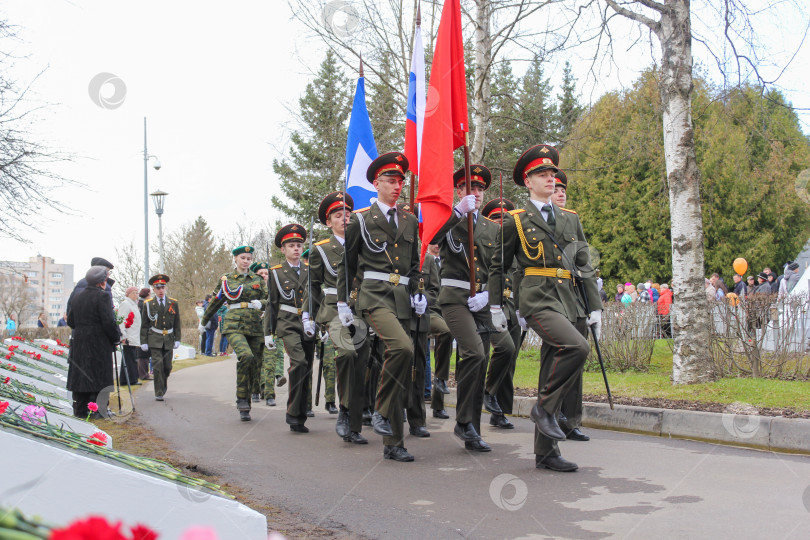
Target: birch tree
x: 737, y: 54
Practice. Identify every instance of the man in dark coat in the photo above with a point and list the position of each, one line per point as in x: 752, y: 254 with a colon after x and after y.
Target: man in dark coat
x: 80, y: 286
x: 95, y: 333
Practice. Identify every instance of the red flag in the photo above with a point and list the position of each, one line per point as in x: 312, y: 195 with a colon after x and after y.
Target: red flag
x: 445, y: 124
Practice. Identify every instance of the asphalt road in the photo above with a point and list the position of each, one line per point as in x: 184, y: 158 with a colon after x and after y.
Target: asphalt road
x: 628, y: 486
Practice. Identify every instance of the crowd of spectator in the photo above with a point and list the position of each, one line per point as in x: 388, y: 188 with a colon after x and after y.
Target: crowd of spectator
x: 207, y: 338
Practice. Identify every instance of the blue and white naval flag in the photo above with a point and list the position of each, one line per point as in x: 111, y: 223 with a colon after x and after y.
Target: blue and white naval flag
x: 360, y: 150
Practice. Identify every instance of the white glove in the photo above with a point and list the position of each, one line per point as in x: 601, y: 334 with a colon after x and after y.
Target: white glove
x: 176, y: 344
x: 309, y: 326
x: 521, y: 321
x: 144, y: 347
x: 419, y: 303
x: 255, y: 304
x: 478, y: 302
x: 200, y: 328
x: 595, y: 317
x: 345, y: 314
x: 498, y: 318
x: 270, y: 343
x: 466, y: 204
x: 323, y: 336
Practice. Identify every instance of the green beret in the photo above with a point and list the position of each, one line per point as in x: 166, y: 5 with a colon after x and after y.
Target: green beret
x: 259, y: 266
x: 242, y: 249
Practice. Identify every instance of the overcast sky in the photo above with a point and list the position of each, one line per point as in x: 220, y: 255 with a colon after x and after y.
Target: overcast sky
x: 216, y: 81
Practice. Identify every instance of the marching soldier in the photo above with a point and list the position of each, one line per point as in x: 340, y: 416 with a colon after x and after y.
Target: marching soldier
x: 160, y: 332
x: 499, y: 381
x: 326, y: 355
x: 272, y: 368
x: 382, y: 245
x: 348, y: 353
x: 442, y: 346
x: 571, y: 412
x: 245, y: 294
x: 415, y: 410
x: 283, y: 319
x: 467, y: 316
x: 544, y: 238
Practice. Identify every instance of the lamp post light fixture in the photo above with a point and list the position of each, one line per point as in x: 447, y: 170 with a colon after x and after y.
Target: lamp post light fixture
x: 159, y: 198
x: 156, y: 165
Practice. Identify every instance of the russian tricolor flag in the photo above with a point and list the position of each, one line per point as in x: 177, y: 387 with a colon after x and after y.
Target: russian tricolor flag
x: 360, y: 149
x: 415, y: 116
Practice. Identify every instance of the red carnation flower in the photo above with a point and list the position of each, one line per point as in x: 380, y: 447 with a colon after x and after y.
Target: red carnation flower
x: 6, y: 380
x: 92, y: 528
x: 3, y: 406
x: 98, y: 438
x: 142, y: 532
x: 93, y: 406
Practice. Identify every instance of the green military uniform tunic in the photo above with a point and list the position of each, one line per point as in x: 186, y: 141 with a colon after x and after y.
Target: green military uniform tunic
x: 283, y: 318
x: 346, y: 354
x: 548, y: 299
x: 372, y: 246
x: 467, y: 327
x: 160, y: 328
x: 242, y: 325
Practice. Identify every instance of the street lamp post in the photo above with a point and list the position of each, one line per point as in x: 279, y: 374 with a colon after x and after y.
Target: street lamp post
x: 159, y: 198
x: 156, y: 165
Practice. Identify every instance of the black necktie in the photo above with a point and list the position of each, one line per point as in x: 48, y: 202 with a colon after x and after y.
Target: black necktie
x: 550, y: 213
x: 297, y: 270
x: 393, y: 222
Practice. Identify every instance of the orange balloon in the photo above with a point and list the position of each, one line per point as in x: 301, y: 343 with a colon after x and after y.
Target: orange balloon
x: 740, y: 265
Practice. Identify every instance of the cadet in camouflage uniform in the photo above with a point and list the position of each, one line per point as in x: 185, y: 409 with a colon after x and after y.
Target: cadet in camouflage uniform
x: 348, y: 355
x: 466, y: 316
x: 160, y: 332
x: 272, y: 368
x: 548, y: 299
x: 245, y: 294
x: 283, y: 319
x: 382, y: 245
x: 500, y: 375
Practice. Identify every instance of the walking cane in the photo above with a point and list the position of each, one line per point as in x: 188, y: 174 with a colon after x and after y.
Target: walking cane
x: 117, y: 385
x: 129, y: 386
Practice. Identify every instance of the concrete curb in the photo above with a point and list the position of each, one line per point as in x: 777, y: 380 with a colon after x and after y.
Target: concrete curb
x: 772, y: 433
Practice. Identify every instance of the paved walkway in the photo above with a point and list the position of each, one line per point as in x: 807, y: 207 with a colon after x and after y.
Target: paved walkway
x: 628, y: 486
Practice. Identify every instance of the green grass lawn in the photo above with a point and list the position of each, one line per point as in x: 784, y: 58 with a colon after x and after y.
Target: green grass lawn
x: 656, y: 384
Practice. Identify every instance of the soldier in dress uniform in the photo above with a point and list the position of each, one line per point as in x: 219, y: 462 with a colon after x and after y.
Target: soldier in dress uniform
x: 415, y: 410
x: 272, y: 368
x: 382, y: 245
x: 245, y: 294
x: 570, y: 419
x: 160, y: 331
x: 282, y: 319
x: 466, y: 316
x: 548, y: 243
x: 348, y: 353
x: 442, y: 346
x: 499, y: 381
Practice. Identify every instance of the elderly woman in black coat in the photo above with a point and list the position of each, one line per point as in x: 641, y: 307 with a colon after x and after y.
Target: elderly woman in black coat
x: 94, y: 335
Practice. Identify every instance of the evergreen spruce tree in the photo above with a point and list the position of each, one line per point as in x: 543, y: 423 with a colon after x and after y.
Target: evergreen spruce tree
x: 318, y: 153
x: 385, y: 108
x: 538, y: 114
x: 569, y: 106
x: 504, y: 138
